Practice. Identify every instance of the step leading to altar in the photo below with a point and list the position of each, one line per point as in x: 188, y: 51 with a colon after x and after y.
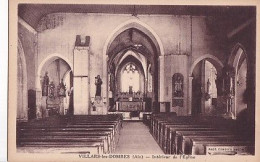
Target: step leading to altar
x: 133, y: 116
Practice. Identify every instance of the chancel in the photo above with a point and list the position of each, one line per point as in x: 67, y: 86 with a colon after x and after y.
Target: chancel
x: 136, y: 79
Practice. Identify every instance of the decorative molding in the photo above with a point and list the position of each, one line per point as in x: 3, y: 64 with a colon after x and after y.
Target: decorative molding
x: 177, y: 54
x: 26, y: 25
x: 79, y: 48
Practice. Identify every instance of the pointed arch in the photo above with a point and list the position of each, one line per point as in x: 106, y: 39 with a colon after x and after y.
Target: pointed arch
x: 237, y: 56
x: 45, y: 63
x: 138, y: 56
x: 146, y: 29
x: 134, y: 23
x: 234, y: 57
x: 216, y: 62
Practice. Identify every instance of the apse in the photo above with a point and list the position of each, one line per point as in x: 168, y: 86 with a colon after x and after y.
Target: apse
x: 130, y: 75
x: 130, y: 78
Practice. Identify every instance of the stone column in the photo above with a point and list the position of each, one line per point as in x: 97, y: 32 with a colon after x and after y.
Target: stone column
x: 190, y: 95
x: 81, y: 76
x: 38, y: 104
x: 203, y: 87
x: 161, y: 79
x: 43, y: 108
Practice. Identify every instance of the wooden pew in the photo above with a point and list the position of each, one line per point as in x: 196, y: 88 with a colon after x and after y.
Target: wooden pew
x: 161, y: 135
x: 167, y: 136
x: 199, y: 145
x: 154, y: 119
x: 62, y: 147
x: 50, y: 138
x: 97, y: 133
x: 182, y: 137
x: 171, y: 134
x: 161, y: 130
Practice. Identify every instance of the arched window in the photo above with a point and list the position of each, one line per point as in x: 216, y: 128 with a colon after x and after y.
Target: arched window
x: 130, y: 79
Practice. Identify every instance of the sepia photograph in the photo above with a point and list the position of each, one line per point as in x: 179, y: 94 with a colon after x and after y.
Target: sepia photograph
x: 132, y: 81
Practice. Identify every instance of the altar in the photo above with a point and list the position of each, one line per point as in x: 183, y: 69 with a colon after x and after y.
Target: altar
x: 130, y: 106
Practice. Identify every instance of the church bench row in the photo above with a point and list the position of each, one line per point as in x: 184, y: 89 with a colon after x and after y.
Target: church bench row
x: 64, y: 120
x: 166, y: 137
x: 158, y: 123
x: 112, y: 134
x: 103, y: 136
x: 108, y: 142
x: 95, y: 124
x: 169, y: 139
x: 183, y: 135
x: 106, y: 135
x: 167, y: 131
x: 95, y: 147
x: 199, y: 145
x: 68, y: 128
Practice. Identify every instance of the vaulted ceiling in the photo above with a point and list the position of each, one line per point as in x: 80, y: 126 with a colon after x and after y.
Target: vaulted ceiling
x: 32, y: 13
x: 135, y: 40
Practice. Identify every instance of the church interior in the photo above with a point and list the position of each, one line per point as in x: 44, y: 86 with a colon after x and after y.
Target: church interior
x: 146, y: 79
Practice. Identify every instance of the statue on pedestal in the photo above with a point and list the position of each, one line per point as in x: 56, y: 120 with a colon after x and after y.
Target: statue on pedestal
x: 228, y: 87
x: 62, y: 89
x: 45, y: 84
x: 51, y: 90
x: 70, y: 94
x: 98, y: 83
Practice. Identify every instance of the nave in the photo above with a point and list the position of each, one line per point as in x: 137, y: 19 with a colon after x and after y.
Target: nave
x: 109, y: 134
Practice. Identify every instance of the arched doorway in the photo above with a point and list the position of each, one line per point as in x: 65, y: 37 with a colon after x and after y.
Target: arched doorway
x: 56, y: 82
x: 238, y: 60
x: 205, y: 97
x: 134, y: 48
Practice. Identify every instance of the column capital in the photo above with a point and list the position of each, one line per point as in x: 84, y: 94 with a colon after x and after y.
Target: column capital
x: 80, y: 48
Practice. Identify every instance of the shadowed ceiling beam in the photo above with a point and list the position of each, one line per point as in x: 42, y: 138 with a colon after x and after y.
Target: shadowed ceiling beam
x: 240, y: 27
x: 26, y: 25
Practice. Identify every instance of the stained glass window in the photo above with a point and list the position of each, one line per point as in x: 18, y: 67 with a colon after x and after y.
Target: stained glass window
x: 130, y: 78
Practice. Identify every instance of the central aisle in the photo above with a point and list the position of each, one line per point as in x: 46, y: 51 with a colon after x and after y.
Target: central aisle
x: 135, y: 138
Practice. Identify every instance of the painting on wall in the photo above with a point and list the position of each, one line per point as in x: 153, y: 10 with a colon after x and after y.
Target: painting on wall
x: 177, y: 90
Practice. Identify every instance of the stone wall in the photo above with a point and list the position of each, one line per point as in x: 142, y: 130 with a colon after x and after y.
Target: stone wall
x: 28, y: 40
x: 183, y: 39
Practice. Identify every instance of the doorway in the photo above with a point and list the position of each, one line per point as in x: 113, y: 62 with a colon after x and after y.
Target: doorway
x: 204, y: 89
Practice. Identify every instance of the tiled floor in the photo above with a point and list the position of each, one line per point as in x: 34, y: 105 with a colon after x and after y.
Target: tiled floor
x: 135, y: 138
